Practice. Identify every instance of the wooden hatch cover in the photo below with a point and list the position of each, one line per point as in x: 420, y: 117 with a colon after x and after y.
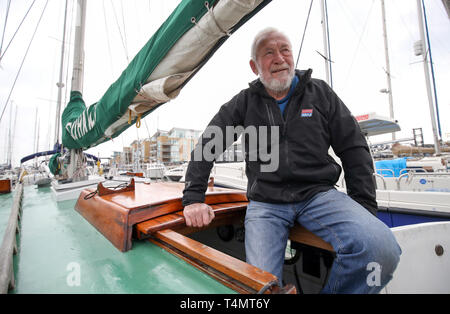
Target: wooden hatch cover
x: 114, y: 212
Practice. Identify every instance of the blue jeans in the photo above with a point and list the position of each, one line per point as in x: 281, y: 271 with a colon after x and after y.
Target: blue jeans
x: 366, y: 250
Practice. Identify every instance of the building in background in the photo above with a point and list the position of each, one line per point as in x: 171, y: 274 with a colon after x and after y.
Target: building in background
x: 169, y: 147
x: 172, y: 147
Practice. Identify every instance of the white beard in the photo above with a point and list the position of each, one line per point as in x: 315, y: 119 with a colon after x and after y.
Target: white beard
x: 278, y: 85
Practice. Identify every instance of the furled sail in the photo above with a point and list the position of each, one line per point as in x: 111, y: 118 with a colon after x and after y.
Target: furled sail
x: 180, y: 47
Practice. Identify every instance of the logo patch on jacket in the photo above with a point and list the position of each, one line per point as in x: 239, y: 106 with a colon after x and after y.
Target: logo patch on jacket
x: 306, y: 113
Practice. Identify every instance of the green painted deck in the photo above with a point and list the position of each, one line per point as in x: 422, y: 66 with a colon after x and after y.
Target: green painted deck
x: 60, y: 252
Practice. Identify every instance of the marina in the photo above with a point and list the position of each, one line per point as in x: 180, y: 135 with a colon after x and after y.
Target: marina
x: 85, y: 218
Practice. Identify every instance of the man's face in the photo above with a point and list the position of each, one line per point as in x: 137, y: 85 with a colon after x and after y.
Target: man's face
x: 274, y: 62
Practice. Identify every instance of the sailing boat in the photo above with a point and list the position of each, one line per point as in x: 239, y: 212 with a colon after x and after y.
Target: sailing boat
x: 145, y: 220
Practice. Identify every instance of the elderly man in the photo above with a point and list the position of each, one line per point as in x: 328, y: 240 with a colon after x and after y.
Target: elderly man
x: 310, y: 117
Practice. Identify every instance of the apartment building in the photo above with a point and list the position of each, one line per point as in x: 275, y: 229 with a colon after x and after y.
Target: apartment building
x: 168, y: 147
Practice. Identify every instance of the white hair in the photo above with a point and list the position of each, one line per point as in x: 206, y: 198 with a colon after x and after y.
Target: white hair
x: 261, y: 36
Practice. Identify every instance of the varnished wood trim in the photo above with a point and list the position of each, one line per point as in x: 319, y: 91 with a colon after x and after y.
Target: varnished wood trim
x: 249, y: 275
x: 302, y: 235
x: 177, y: 219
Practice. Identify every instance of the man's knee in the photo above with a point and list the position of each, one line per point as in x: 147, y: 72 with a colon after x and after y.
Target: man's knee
x: 383, y: 253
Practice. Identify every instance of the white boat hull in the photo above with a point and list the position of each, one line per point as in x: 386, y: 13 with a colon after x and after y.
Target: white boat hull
x: 424, y: 265
x: 70, y: 191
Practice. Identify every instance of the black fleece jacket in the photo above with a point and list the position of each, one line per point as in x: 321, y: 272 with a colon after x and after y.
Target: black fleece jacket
x: 314, y: 119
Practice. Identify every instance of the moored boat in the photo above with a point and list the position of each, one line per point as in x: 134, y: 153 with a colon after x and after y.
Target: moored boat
x: 75, y: 253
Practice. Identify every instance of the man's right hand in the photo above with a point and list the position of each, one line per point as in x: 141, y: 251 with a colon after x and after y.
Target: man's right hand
x: 198, y: 215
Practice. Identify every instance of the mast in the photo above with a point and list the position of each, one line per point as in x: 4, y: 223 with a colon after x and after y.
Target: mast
x: 326, y: 42
x: 76, y: 155
x: 60, y: 83
x: 12, y: 127
x: 9, y: 153
x: 78, y: 58
x: 432, y: 71
x: 388, y: 66
x: 35, y: 131
x: 427, y: 77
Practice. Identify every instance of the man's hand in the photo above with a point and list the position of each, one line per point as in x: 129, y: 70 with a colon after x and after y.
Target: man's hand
x: 198, y: 215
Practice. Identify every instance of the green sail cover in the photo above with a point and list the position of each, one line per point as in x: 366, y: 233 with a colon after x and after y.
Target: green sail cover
x: 53, y: 164
x: 87, y: 127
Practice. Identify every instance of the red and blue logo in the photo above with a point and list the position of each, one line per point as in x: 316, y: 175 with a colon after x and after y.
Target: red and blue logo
x: 306, y: 113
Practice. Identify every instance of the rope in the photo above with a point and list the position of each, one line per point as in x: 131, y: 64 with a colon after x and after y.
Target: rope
x: 4, y: 27
x: 12, y: 38
x: 268, y: 286
x: 23, y: 61
x: 138, y: 120
x: 120, y: 33
x: 304, y: 32
x: 107, y: 40
x: 328, y: 43
x: 92, y: 194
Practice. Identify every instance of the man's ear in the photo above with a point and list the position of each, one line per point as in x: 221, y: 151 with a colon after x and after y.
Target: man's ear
x: 254, y: 67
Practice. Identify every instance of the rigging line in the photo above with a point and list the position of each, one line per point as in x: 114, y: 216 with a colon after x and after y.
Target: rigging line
x: 435, y: 12
x: 4, y: 27
x: 141, y: 33
x: 405, y: 24
x: 107, y: 40
x: 23, y: 61
x: 120, y: 33
x: 432, y: 69
x: 12, y: 38
x: 359, y: 42
x: 304, y: 32
x: 350, y: 18
x: 67, y: 90
x: 124, y: 29
x: 146, y: 126
x: 328, y: 40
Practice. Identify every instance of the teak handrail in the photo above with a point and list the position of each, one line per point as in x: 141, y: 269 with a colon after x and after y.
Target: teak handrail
x: 177, y: 221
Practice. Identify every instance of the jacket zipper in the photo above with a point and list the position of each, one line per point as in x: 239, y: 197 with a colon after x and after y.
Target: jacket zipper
x: 269, y: 113
x: 253, y: 187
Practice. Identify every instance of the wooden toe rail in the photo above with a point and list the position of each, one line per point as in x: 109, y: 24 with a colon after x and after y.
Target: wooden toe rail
x: 169, y: 233
x: 232, y: 272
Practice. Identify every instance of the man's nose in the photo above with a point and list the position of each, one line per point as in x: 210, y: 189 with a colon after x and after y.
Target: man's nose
x: 278, y: 57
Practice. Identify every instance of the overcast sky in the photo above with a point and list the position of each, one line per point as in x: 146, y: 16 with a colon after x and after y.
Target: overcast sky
x: 116, y: 31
